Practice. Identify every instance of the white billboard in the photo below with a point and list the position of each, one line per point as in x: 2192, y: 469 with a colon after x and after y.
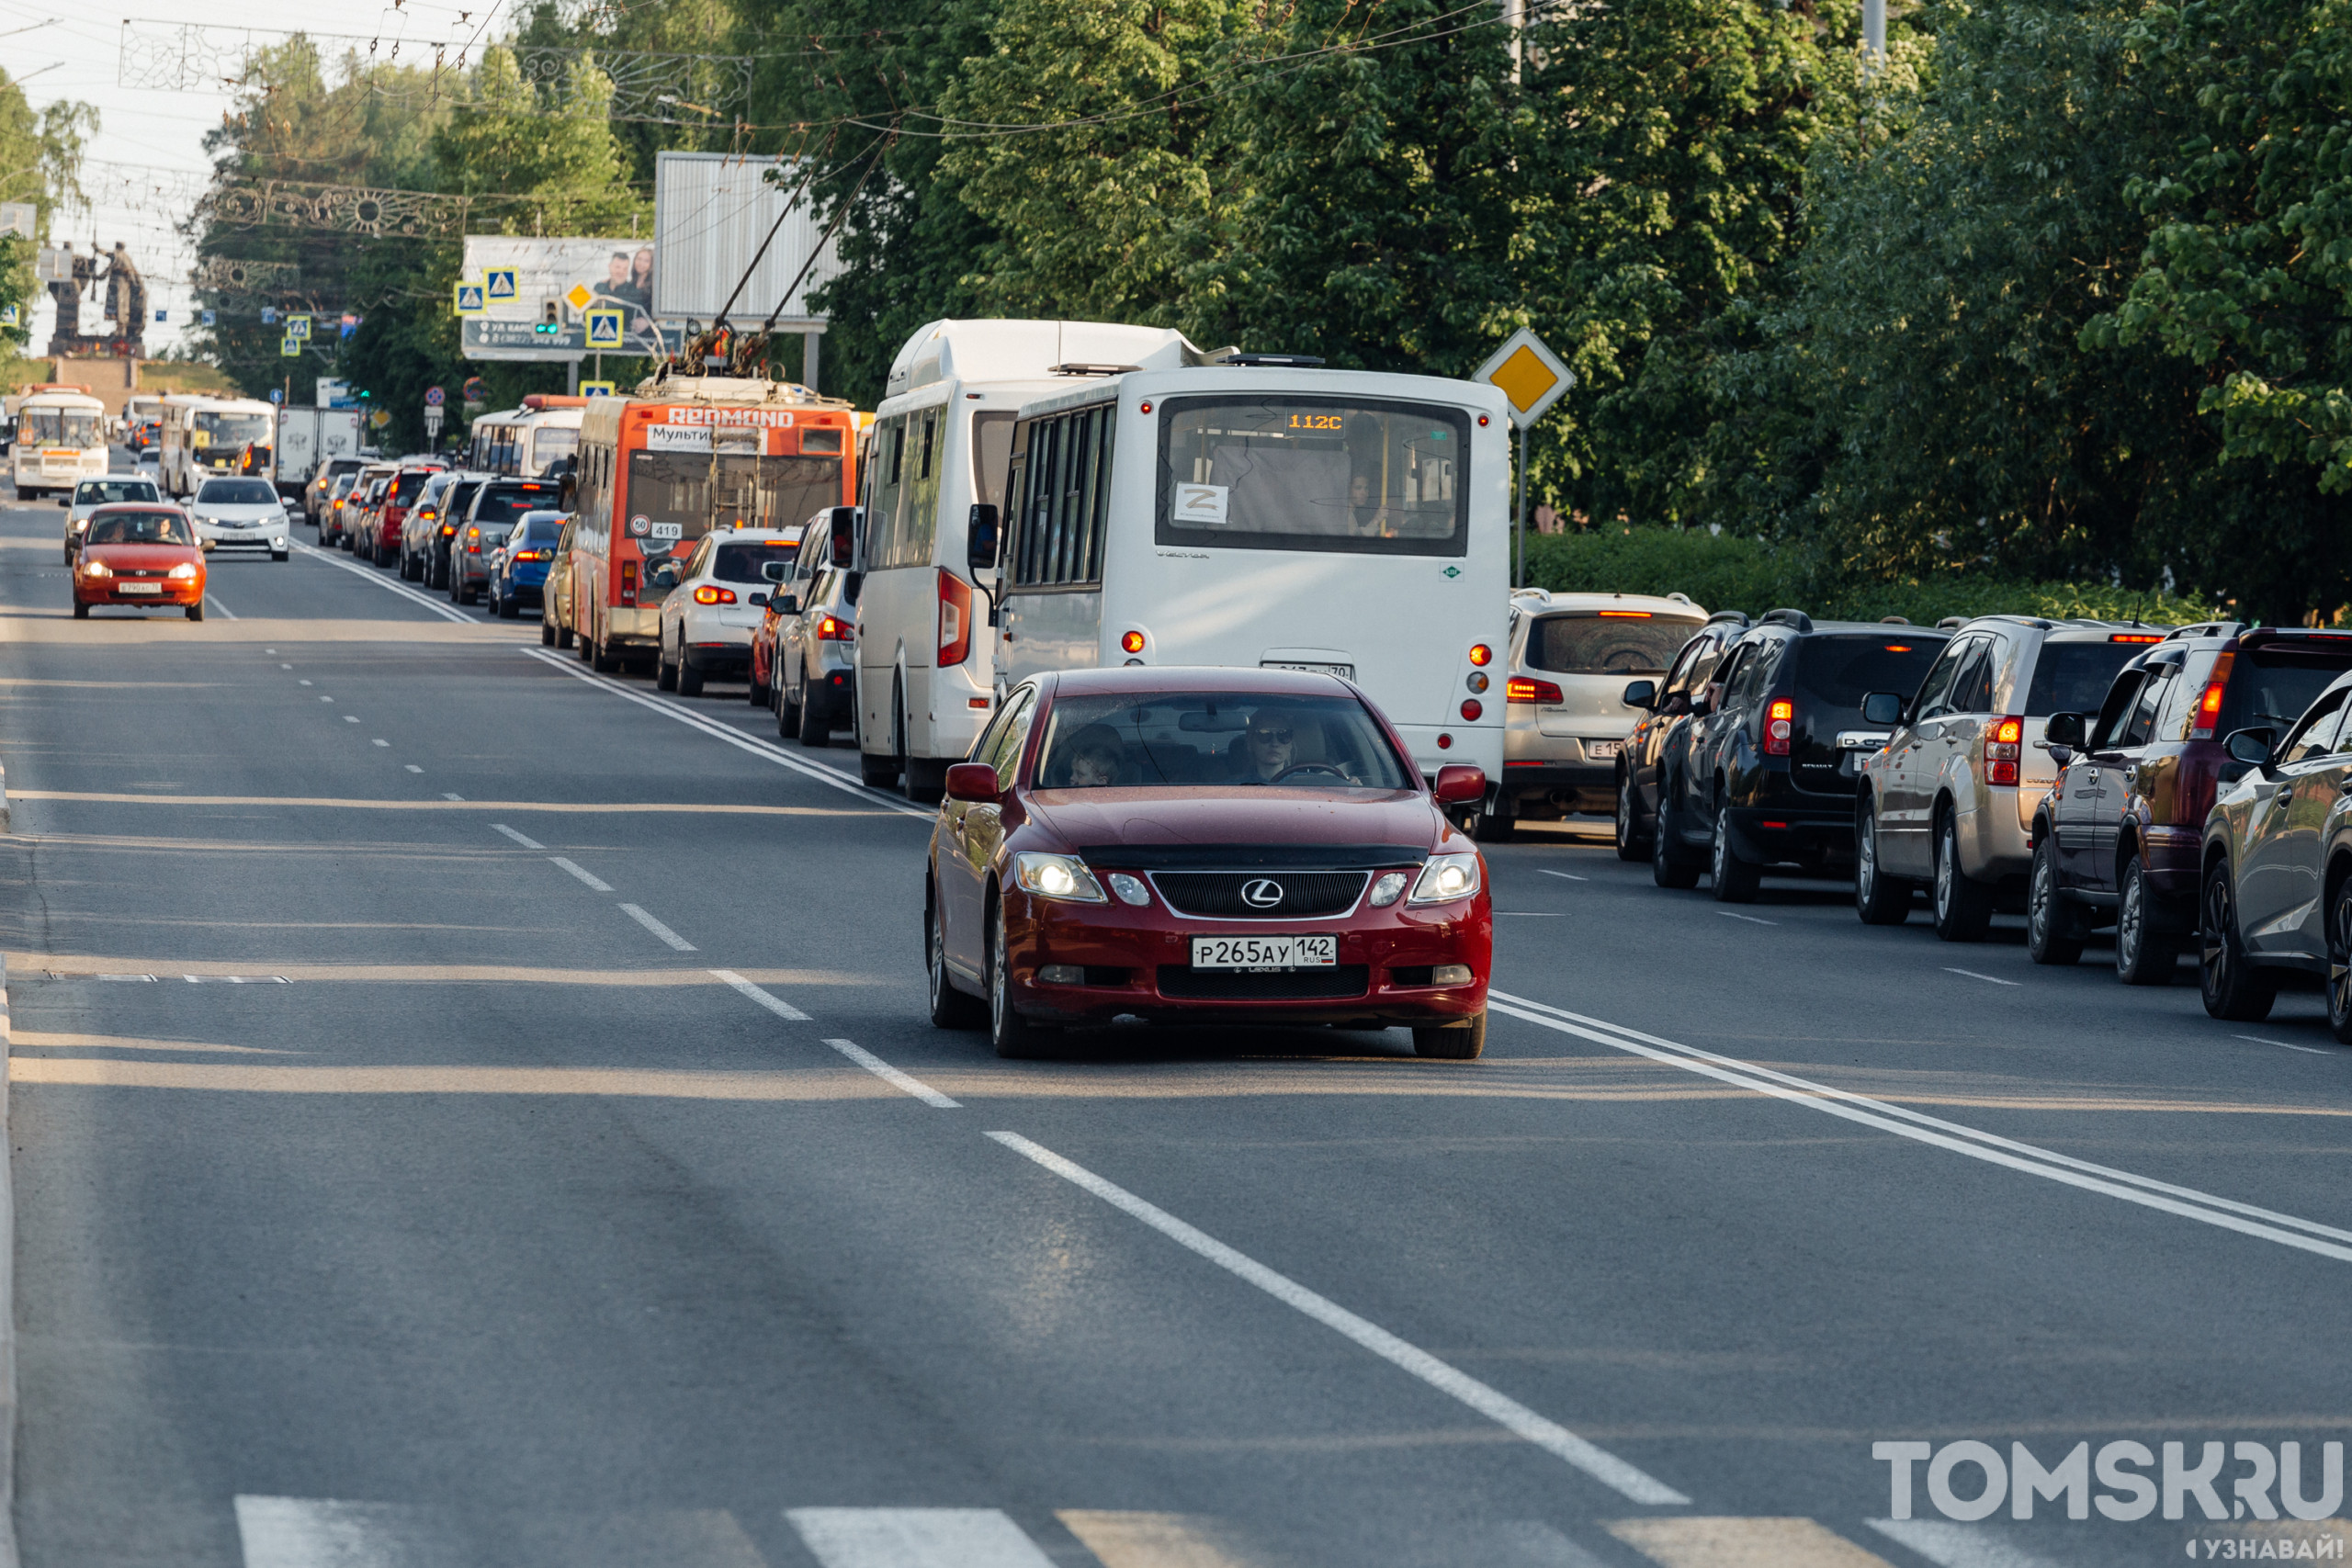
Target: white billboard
x: 530, y: 283
x: 711, y: 211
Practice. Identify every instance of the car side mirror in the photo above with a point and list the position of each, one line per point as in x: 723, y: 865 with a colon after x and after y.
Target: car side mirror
x: 2063, y: 729
x: 1883, y: 708
x: 1641, y: 693
x: 786, y: 604
x: 776, y: 570
x: 1702, y: 702
x: 2251, y: 747
x: 756, y: 598
x: 64, y: 500
x: 980, y: 538
x: 844, y: 526
x: 974, y: 783
x: 1459, y: 784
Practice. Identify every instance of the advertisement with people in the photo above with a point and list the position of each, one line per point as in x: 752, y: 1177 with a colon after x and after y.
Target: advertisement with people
x: 523, y: 297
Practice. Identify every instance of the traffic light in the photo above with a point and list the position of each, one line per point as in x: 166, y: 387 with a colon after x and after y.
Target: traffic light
x: 550, y: 322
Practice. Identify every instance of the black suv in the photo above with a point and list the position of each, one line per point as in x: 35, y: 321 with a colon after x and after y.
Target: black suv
x: 1768, y: 774
x: 1658, y: 739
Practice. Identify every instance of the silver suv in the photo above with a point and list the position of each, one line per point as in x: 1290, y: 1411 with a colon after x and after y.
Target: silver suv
x: 1948, y: 798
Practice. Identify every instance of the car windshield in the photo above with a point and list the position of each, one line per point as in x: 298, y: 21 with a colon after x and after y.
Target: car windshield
x: 1210, y: 738
x: 236, y: 493
x: 141, y: 529
x: 1297, y: 472
x: 2073, y: 677
x: 2272, y: 685
x: 504, y: 503
x: 98, y: 492
x: 1608, y: 642
x: 742, y: 563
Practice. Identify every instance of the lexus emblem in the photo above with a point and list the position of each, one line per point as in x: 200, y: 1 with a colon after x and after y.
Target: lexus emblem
x: 1262, y: 893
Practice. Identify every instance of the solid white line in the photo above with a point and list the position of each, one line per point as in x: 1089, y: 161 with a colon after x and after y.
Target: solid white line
x: 2258, y: 1040
x: 226, y: 612
x: 773, y: 1003
x: 1974, y: 975
x: 637, y: 914
x: 1564, y: 875
x: 582, y: 873
x: 892, y: 1076
x: 389, y: 585
x: 1499, y: 1408
x: 733, y: 736
x: 503, y: 828
x: 1953, y: 1136
x: 1958, y: 1546
x: 915, y: 1538
x: 1752, y: 920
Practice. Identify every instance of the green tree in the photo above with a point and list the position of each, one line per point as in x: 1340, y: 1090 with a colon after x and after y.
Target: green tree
x: 40, y: 161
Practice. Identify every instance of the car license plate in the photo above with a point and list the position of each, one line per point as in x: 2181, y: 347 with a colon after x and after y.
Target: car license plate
x: 1265, y: 952
x: 1344, y: 672
x: 1601, y: 751
x: 138, y: 588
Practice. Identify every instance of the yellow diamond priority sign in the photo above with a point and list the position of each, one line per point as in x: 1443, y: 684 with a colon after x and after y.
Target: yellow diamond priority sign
x: 579, y: 297
x: 1526, y: 373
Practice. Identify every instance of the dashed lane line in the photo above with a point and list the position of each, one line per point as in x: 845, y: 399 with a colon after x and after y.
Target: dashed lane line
x: 225, y: 613
x: 1497, y: 1406
x: 1563, y: 875
x: 892, y: 1076
x: 375, y: 575
x: 2187, y: 1202
x: 773, y: 1003
x: 1752, y: 920
x: 527, y: 843
x: 1973, y: 974
x: 2258, y: 1040
x: 583, y: 873
x: 636, y: 912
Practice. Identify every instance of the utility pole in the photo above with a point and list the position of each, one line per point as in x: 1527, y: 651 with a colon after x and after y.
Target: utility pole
x: 1874, y: 31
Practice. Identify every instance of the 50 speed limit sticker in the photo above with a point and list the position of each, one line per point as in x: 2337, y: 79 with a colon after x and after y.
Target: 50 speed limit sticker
x: 641, y: 526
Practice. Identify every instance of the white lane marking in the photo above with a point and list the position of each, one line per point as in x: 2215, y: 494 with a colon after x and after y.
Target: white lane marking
x: 412, y: 767
x: 389, y: 585
x: 915, y: 1538
x: 379, y: 742
x: 2248, y: 1219
x: 636, y: 913
x: 224, y: 610
x: 446, y: 795
x: 1958, y: 1546
x: 1974, y: 975
x: 503, y: 828
x: 1752, y: 920
x: 305, y: 682
x: 286, y: 666
x: 773, y: 1003
x: 1564, y: 875
x: 1497, y: 1408
x: 351, y: 718
x: 2258, y: 1040
x: 324, y: 699
x: 323, y: 1532
x: 734, y: 737
x: 892, y: 1076
x: 273, y: 653
x: 147, y: 977
x: 582, y: 873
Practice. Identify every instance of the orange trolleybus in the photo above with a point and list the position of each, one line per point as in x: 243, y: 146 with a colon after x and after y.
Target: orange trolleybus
x: 659, y: 469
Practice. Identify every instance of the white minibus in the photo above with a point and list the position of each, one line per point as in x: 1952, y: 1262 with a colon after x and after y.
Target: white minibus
x: 203, y: 436
x: 61, y: 439
x: 1264, y: 512
x: 938, y: 445
x: 521, y: 442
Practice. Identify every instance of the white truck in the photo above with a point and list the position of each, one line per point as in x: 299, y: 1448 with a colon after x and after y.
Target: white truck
x: 307, y: 438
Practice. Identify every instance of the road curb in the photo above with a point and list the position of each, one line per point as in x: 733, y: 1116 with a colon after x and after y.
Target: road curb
x: 7, y: 1287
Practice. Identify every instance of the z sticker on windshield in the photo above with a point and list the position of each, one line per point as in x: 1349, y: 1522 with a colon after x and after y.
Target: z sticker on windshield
x: 1200, y: 505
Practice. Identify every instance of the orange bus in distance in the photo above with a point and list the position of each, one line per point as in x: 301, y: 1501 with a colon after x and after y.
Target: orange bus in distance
x: 659, y: 469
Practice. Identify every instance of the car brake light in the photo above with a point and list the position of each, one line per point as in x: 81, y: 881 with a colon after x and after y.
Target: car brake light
x: 629, y: 582
x: 1625, y: 615
x: 1471, y: 709
x: 2004, y: 744
x: 710, y: 593
x: 446, y: 529
x: 1779, y: 726
x: 1522, y: 689
x: 1480, y: 653
x: 955, y: 619
x: 2137, y: 636
x: 832, y: 628
x: 2208, y: 706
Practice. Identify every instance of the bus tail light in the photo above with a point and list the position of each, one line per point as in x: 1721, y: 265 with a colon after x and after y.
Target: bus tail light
x: 2004, y: 744
x: 711, y: 593
x: 1524, y: 689
x: 2208, y: 706
x: 1780, y: 727
x: 832, y: 628
x: 1480, y: 653
x: 1471, y: 709
x: 1131, y: 642
x: 955, y: 619
x: 629, y: 582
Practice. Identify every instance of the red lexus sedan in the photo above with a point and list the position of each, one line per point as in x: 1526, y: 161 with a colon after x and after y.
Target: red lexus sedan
x: 140, y: 554
x: 1244, y: 846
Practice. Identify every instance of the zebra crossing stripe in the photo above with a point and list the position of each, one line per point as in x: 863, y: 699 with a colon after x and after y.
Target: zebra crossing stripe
x: 1742, y: 1543
x: 915, y: 1538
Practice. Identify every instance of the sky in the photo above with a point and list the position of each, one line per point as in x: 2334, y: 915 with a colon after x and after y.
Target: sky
x: 147, y: 161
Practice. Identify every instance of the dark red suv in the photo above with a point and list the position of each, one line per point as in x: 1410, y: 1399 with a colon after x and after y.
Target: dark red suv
x: 384, y: 543
x: 2117, y: 840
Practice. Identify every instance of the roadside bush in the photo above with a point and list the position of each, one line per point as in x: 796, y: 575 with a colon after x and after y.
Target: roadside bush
x: 1725, y: 572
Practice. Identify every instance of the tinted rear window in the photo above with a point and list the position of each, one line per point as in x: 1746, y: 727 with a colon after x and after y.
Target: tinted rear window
x: 742, y: 563
x: 410, y: 484
x: 1839, y: 671
x: 504, y: 503
x: 2073, y: 677
x: 2273, y: 685
x: 1593, y: 643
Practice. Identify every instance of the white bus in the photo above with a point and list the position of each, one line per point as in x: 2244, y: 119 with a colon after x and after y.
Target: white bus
x: 61, y: 439
x: 1262, y: 512
x: 521, y: 442
x: 203, y: 436
x: 938, y: 445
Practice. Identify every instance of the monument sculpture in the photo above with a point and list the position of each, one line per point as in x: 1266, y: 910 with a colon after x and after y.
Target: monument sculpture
x: 125, y: 303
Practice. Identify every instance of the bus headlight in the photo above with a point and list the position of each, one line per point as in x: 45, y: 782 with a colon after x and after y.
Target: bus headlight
x: 1056, y: 876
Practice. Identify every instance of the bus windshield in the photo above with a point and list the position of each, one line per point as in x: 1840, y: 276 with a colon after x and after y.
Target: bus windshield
x: 1297, y: 472
x: 681, y: 493
x: 230, y: 429
x: 59, y: 428
x: 551, y: 444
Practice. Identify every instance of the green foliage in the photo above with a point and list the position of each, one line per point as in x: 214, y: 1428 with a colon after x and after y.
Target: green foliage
x: 40, y: 161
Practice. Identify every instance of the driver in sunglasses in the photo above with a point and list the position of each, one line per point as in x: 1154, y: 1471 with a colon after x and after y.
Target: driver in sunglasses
x: 1269, y: 750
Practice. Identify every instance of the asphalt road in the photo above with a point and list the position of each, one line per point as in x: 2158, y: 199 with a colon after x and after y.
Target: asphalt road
x: 572, y: 1180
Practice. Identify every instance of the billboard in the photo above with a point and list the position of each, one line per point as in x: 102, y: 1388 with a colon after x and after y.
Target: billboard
x: 711, y: 210
x: 531, y: 298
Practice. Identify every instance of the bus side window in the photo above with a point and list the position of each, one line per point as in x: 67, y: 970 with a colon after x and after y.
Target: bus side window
x: 1044, y: 450
x: 1098, y: 491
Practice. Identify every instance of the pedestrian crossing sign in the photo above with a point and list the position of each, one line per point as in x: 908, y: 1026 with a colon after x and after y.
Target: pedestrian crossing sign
x: 499, y: 283
x: 605, y: 329
x: 595, y: 389
x: 469, y: 299
x: 9, y: 315
x: 289, y: 346
x: 298, y: 328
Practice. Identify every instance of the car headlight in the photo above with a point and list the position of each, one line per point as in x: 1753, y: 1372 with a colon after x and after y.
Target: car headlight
x: 185, y: 572
x: 1056, y: 876
x: 96, y: 568
x: 1447, y: 878
x: 1130, y: 889
x: 1388, y: 889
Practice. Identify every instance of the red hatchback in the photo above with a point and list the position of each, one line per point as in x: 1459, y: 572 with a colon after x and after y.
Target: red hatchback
x: 141, y: 555
x: 1204, y: 845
